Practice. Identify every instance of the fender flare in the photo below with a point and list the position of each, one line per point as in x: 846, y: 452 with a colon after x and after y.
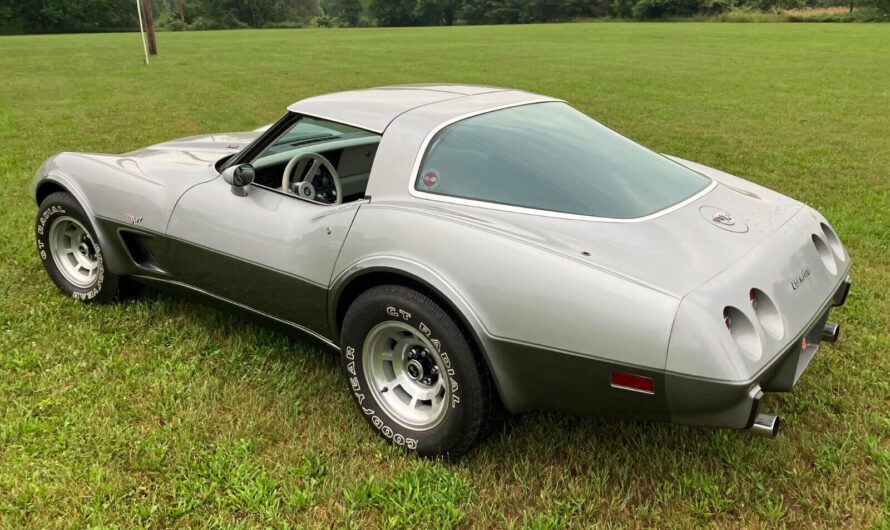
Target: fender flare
x: 113, y: 259
x: 423, y: 275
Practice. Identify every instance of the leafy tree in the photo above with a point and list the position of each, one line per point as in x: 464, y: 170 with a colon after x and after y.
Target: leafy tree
x: 52, y: 16
x: 346, y: 12
x: 34, y: 16
x: 436, y: 12
x: 393, y: 12
x: 651, y: 9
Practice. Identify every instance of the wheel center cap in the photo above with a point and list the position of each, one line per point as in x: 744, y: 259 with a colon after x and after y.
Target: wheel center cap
x: 414, y: 369
x: 83, y: 249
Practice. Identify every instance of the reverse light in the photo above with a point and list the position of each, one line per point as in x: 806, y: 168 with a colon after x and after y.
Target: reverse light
x: 632, y: 382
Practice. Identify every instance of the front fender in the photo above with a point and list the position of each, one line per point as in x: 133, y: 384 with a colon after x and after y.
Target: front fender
x: 51, y: 174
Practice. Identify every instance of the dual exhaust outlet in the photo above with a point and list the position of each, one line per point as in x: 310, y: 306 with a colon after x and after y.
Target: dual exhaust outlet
x: 768, y: 425
x: 831, y: 332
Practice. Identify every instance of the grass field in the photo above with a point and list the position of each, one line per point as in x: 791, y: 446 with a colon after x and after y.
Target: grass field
x: 161, y: 412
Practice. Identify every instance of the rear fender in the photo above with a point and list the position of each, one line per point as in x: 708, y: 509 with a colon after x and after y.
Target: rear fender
x: 418, y: 273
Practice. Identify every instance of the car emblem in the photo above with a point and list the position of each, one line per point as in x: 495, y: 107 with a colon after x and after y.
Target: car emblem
x: 801, y: 277
x: 232, y: 146
x: 723, y: 218
x: 134, y: 219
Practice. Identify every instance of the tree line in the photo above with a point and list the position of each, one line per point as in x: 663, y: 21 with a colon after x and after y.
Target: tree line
x: 53, y: 16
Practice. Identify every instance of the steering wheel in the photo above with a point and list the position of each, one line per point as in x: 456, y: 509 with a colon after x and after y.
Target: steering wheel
x: 304, y: 187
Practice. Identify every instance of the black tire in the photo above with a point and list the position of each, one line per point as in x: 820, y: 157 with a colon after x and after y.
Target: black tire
x: 471, y: 407
x: 54, y: 208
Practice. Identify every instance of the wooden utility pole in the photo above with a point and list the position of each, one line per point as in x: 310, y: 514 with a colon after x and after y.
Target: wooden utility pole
x: 149, y: 27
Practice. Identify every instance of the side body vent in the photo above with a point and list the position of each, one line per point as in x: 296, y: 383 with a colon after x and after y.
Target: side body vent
x: 138, y: 246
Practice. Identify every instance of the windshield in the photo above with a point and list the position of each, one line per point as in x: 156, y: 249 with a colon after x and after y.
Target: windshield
x: 308, y: 131
x: 549, y: 156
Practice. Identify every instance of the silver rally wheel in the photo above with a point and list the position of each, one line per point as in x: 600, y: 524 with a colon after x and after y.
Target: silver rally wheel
x: 413, y: 373
x: 74, y: 252
x: 406, y: 375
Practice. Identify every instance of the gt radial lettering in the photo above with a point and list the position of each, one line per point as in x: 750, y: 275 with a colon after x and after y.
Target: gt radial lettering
x: 446, y: 361
x: 44, y: 217
x: 398, y: 313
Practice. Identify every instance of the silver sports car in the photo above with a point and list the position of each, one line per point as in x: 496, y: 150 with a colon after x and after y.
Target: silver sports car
x: 469, y: 250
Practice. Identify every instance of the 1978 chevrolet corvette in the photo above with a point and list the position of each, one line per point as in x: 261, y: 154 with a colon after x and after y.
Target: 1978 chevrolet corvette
x: 468, y: 249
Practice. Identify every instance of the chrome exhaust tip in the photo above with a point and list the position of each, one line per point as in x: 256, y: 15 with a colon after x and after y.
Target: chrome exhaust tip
x: 766, y: 425
x: 831, y: 332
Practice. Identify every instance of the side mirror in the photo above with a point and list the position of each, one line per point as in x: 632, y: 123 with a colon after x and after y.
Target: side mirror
x: 239, y: 177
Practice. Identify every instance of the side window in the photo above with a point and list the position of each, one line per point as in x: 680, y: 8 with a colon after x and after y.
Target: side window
x: 317, y: 160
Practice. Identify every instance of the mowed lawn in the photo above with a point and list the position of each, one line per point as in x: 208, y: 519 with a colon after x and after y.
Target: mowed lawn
x: 161, y: 412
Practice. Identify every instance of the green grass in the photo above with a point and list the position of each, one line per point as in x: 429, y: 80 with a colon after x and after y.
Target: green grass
x: 160, y: 412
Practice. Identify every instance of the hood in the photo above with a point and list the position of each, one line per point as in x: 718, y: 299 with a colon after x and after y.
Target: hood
x: 202, y: 150
x: 673, y: 253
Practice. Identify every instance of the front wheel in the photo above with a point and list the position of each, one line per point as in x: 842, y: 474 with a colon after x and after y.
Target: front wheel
x: 413, y: 373
x: 70, y: 252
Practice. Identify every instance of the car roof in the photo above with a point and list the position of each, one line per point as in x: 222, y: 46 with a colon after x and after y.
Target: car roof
x: 373, y: 109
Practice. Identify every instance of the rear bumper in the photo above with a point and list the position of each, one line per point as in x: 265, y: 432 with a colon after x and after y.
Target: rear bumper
x: 736, y: 404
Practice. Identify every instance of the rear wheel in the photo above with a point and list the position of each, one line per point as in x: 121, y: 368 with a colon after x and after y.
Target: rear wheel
x: 413, y: 373
x: 70, y: 252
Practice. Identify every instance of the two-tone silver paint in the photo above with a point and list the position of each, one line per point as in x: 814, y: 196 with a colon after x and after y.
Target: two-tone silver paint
x: 554, y: 303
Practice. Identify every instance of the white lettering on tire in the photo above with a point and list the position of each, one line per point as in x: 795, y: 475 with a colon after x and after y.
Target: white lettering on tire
x: 42, y: 223
x: 359, y: 395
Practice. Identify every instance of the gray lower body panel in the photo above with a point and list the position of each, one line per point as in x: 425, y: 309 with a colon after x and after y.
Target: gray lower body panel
x: 534, y: 377
x: 156, y: 259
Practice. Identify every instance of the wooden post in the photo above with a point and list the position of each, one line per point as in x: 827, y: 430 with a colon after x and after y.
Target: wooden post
x: 150, y: 27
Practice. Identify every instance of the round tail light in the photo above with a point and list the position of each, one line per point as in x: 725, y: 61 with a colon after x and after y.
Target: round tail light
x: 743, y: 332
